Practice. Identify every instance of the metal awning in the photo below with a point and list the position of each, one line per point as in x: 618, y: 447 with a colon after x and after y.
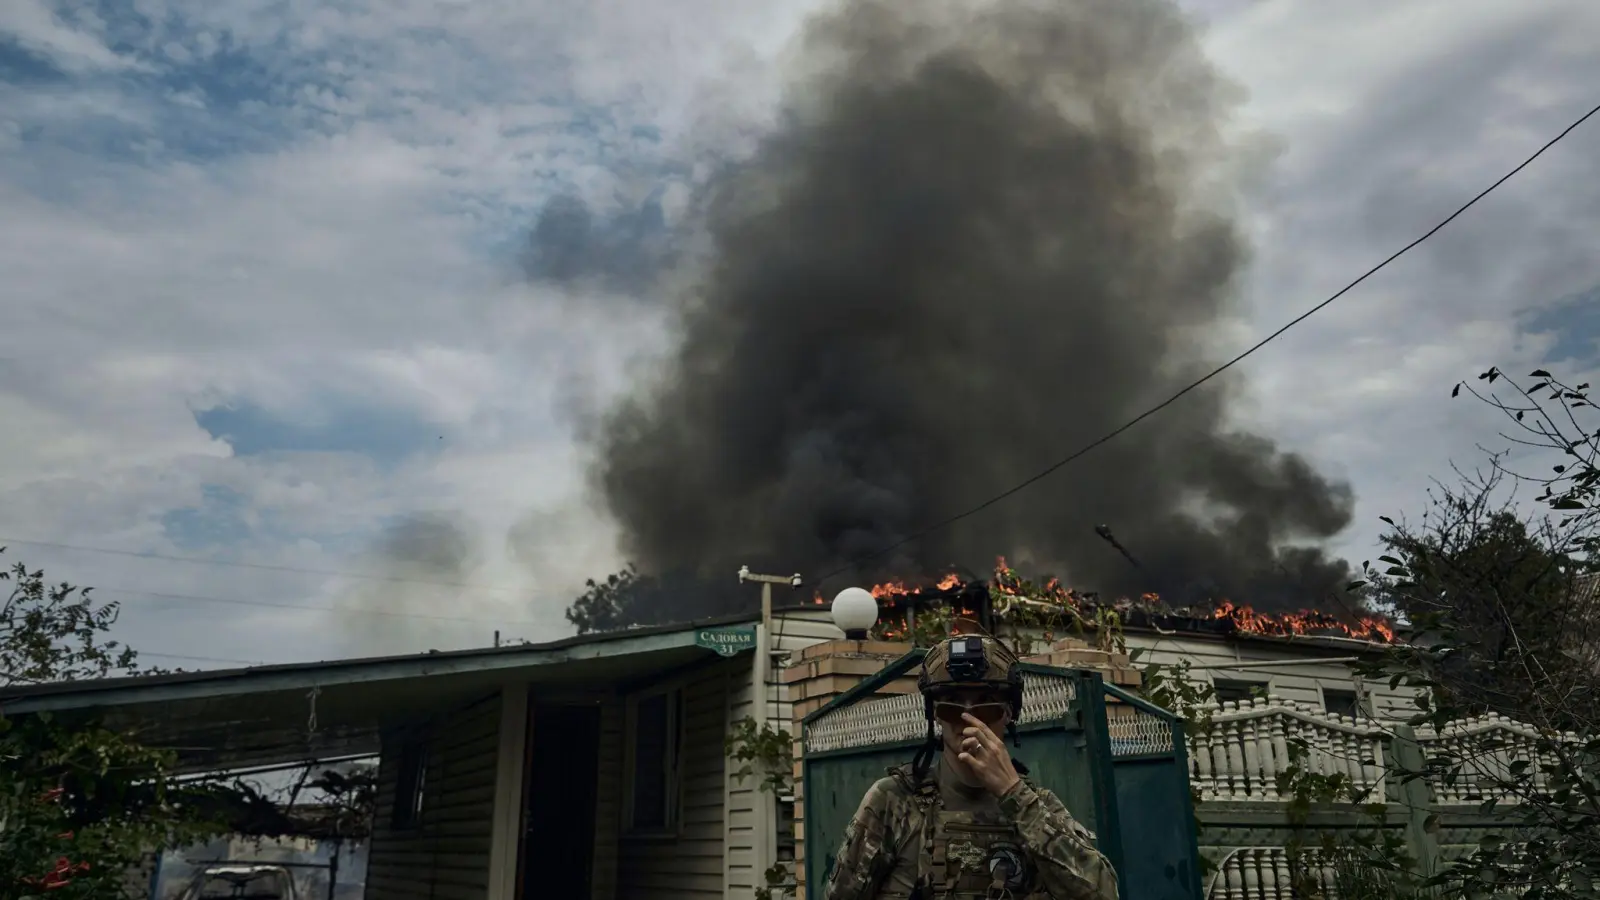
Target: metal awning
x: 266, y: 715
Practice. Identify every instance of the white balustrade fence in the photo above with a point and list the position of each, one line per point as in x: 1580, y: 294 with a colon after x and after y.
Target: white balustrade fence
x: 1248, y: 748
x: 1266, y: 873
x: 1488, y: 748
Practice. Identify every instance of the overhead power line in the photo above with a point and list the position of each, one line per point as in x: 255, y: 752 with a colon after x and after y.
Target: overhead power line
x: 1107, y: 437
x: 359, y: 611
x: 261, y: 566
x: 215, y: 659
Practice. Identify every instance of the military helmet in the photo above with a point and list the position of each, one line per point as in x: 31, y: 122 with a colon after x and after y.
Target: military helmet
x: 972, y: 660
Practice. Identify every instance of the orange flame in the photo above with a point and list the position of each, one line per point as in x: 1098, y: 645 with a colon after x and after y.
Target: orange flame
x: 1243, y: 618
x: 1310, y: 621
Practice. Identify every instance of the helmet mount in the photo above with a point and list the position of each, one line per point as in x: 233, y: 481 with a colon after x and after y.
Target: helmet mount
x: 961, y: 663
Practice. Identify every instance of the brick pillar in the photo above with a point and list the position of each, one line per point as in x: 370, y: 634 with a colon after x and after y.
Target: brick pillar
x: 1071, y: 653
x: 820, y: 673
x: 1115, y: 668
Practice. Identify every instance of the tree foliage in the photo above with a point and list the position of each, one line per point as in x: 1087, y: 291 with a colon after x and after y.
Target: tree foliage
x: 79, y: 803
x: 629, y: 599
x: 1503, y: 617
x: 82, y: 803
x: 1506, y: 590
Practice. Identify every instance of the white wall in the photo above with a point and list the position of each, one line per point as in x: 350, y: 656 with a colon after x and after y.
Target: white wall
x: 1302, y: 682
x: 752, y: 814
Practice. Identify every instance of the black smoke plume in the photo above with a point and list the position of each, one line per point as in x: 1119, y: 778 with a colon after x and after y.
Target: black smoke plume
x: 983, y: 235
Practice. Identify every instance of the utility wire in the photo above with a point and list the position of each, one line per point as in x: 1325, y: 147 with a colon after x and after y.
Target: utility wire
x: 1214, y: 372
x: 327, y: 609
x: 215, y: 659
x: 262, y: 566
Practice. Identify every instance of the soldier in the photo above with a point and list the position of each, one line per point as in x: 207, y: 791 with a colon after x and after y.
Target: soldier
x: 961, y: 822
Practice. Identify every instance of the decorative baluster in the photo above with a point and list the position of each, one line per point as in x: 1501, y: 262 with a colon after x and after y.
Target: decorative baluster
x: 1377, y: 769
x: 1266, y: 769
x: 1350, y: 747
x: 1338, y: 751
x: 1478, y: 769
x: 1251, y: 879
x: 1235, y: 877
x: 1204, y: 773
x: 1250, y: 784
x: 1349, y: 753
x: 1461, y: 751
x: 1500, y: 768
x: 1221, y: 737
x: 1280, y: 749
x: 1325, y: 876
x: 1266, y: 888
x: 1439, y: 748
x: 1325, y: 754
x: 1281, y: 874
x: 1235, y: 758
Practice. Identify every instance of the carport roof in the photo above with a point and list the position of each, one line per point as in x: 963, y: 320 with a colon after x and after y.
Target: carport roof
x: 281, y: 713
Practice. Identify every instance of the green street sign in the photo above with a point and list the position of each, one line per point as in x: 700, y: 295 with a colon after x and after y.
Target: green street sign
x: 726, y: 641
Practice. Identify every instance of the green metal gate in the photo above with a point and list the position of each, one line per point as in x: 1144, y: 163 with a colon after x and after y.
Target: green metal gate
x: 1125, y: 778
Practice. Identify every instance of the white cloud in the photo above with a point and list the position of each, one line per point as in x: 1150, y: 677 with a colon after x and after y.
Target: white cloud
x: 39, y: 29
x: 340, y: 232
x: 1393, y: 116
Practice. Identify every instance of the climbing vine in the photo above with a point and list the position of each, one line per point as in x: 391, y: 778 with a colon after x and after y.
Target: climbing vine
x: 760, y: 749
x: 764, y: 750
x: 1369, y: 861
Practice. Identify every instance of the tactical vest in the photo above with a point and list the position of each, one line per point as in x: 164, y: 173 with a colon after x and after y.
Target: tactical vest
x: 963, y: 858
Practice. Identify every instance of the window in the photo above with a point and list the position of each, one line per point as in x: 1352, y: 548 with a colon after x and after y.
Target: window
x: 654, y: 723
x: 410, y: 783
x: 1341, y: 703
x: 785, y: 848
x: 1238, y: 691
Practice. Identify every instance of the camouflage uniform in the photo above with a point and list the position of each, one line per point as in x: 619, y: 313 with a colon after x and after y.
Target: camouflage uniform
x: 933, y: 838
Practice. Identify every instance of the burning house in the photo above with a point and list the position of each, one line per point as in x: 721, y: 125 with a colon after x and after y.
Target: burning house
x: 1305, y: 655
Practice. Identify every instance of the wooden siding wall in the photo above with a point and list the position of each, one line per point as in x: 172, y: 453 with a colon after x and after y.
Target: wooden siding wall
x: 791, y: 632
x: 447, y: 856
x: 608, y: 801
x: 692, y: 863
x: 1302, y: 682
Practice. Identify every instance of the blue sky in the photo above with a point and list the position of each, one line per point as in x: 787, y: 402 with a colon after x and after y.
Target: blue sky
x: 265, y: 301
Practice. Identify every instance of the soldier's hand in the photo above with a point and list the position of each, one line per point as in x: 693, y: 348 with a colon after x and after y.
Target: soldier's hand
x: 986, y: 757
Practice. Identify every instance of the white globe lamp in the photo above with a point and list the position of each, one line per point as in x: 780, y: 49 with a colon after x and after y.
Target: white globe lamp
x: 855, y: 610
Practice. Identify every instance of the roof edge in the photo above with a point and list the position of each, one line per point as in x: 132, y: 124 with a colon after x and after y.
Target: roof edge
x: 17, y: 699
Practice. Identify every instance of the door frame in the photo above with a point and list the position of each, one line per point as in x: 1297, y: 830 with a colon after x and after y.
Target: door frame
x: 531, y: 701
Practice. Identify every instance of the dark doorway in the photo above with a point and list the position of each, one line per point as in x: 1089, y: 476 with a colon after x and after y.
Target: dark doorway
x: 558, y: 831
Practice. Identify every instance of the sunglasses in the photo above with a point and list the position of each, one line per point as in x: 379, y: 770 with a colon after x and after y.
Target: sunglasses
x: 987, y: 713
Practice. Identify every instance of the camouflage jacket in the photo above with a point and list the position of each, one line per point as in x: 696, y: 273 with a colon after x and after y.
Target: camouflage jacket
x: 891, y: 817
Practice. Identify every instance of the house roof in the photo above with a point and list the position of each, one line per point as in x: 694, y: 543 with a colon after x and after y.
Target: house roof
x: 322, y: 710
x: 1206, y: 628
x: 20, y: 699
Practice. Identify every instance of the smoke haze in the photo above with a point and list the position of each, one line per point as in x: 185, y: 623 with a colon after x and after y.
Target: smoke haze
x: 425, y: 547
x: 982, y: 236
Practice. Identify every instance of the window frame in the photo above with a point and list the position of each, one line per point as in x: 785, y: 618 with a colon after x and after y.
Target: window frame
x: 411, y: 782
x: 673, y: 788
x: 1247, y: 683
x: 1357, y: 696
